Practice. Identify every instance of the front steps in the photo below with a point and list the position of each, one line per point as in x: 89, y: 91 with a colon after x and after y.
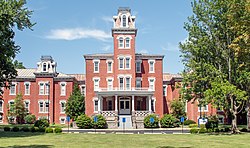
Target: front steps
x: 127, y: 124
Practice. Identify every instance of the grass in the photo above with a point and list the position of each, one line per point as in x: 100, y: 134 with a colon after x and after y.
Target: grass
x: 21, y: 139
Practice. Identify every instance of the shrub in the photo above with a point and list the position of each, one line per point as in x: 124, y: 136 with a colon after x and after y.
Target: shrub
x: 101, y: 122
x: 34, y: 129
x: 49, y: 130
x: 83, y: 121
x: 212, y: 122
x: 6, y: 128
x: 25, y: 129
x: 216, y: 130
x: 202, y: 130
x: 188, y: 122
x: 58, y: 130
x: 227, y: 129
x: 30, y: 119
x: 41, y: 129
x: 202, y: 126
x: 15, y: 129
x: 193, y: 125
x: 147, y: 123
x: 194, y: 130
x: 168, y: 120
x: 41, y: 123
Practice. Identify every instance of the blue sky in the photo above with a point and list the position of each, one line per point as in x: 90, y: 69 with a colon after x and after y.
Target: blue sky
x: 67, y: 30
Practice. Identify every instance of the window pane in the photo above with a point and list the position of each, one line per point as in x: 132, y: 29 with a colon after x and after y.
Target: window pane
x: 121, y: 62
x: 1, y: 106
x: 127, y: 83
x: 96, y: 106
x: 121, y: 83
x: 124, y: 21
x: 138, y: 66
x: 138, y: 83
x: 127, y: 104
x: 109, y: 66
x: 127, y: 42
x: 121, y: 42
x: 127, y: 62
x: 122, y: 105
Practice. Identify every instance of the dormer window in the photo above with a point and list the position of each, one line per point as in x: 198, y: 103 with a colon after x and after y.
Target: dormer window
x: 124, y: 21
x: 44, y: 67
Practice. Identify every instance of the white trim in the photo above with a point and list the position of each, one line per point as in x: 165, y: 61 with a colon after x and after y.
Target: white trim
x: 95, y: 99
x: 125, y: 43
x: 203, y: 109
x: 151, y: 78
x: 26, y: 100
x: 81, y: 86
x: 62, y: 101
x: 125, y: 63
x: 1, y: 111
x: 107, y: 79
x: 122, y: 45
x: 13, y: 83
x: 149, y: 70
x: 61, y: 119
x: 98, y: 65
x: 61, y: 87
x: 26, y: 83
x: 136, y: 63
x: 109, y: 61
x: 98, y: 79
x: 122, y: 16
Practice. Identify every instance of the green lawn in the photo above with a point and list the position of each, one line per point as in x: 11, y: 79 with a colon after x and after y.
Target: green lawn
x: 21, y: 139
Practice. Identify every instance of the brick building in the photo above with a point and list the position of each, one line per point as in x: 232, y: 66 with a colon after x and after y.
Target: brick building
x: 122, y: 84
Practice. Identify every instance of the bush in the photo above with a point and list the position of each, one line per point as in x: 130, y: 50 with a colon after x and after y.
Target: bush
x: 41, y: 123
x: 25, y: 129
x: 194, y: 130
x: 212, y: 122
x: 193, y: 126
x: 168, y: 120
x: 227, y: 129
x: 216, y: 130
x: 58, y: 130
x: 34, y: 129
x: 6, y: 128
x: 83, y: 121
x: 49, y: 130
x: 15, y: 129
x: 202, y: 130
x: 41, y: 129
x: 188, y: 122
x: 101, y: 122
x: 147, y: 123
x: 30, y: 119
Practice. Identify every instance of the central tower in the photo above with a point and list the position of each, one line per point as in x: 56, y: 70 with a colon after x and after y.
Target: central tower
x: 124, y: 33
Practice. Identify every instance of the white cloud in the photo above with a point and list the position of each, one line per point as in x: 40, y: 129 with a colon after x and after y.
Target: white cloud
x: 143, y: 51
x: 78, y: 33
x: 106, y: 48
x: 107, y: 19
x: 171, y: 47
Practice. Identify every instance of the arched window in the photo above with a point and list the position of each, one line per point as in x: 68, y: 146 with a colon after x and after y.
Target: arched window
x: 44, y: 67
x: 127, y: 42
x: 124, y: 21
x: 121, y: 42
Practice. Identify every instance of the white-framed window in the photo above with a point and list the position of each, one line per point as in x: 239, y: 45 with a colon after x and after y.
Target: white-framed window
x: 62, y: 106
x: 138, y: 82
x: 203, y: 108
x: 121, y: 62
x: 83, y: 89
x: 27, y: 88
x: 46, y: 106
x: 164, y: 90
x: 96, y: 66
x: 128, y: 83
x: 1, y: 105
x: 41, y: 88
x: 44, y: 67
x: 109, y: 66
x: 151, y: 66
x: 127, y: 42
x: 95, y: 102
x: 27, y: 105
x: 127, y: 63
x: 124, y: 21
x: 47, y: 85
x: 63, y: 88
x: 109, y: 83
x: 41, y: 107
x: 62, y: 120
x: 120, y: 43
x: 138, y: 66
x: 13, y: 88
x: 151, y: 82
x: 96, y: 83
x: 11, y: 105
x: 121, y: 83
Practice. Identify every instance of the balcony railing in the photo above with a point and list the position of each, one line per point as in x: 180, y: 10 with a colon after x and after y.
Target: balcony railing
x: 124, y: 89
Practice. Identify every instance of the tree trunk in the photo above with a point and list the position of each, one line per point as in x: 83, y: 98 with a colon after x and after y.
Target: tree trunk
x: 248, y: 116
x: 234, y: 127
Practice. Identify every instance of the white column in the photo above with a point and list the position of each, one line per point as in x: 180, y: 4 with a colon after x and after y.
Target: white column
x: 99, y: 104
x: 133, y: 103
x: 116, y: 103
x: 149, y: 103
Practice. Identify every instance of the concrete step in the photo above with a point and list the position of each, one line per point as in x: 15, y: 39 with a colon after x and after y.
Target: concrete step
x: 127, y: 124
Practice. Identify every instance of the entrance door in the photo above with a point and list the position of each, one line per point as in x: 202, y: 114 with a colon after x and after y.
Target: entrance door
x: 124, y: 106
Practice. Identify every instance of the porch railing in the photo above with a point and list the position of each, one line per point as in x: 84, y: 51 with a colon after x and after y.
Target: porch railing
x: 141, y: 113
x: 108, y: 113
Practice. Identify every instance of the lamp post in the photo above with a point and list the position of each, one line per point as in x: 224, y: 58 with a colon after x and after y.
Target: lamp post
x: 48, y: 91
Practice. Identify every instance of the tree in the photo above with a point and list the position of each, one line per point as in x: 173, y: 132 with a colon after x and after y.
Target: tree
x: 18, y: 65
x: 17, y: 110
x: 12, y: 14
x: 75, y: 105
x: 178, y: 108
x: 216, y: 55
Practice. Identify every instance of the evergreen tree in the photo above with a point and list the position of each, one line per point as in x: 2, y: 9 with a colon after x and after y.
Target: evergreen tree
x: 216, y: 55
x: 75, y: 105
